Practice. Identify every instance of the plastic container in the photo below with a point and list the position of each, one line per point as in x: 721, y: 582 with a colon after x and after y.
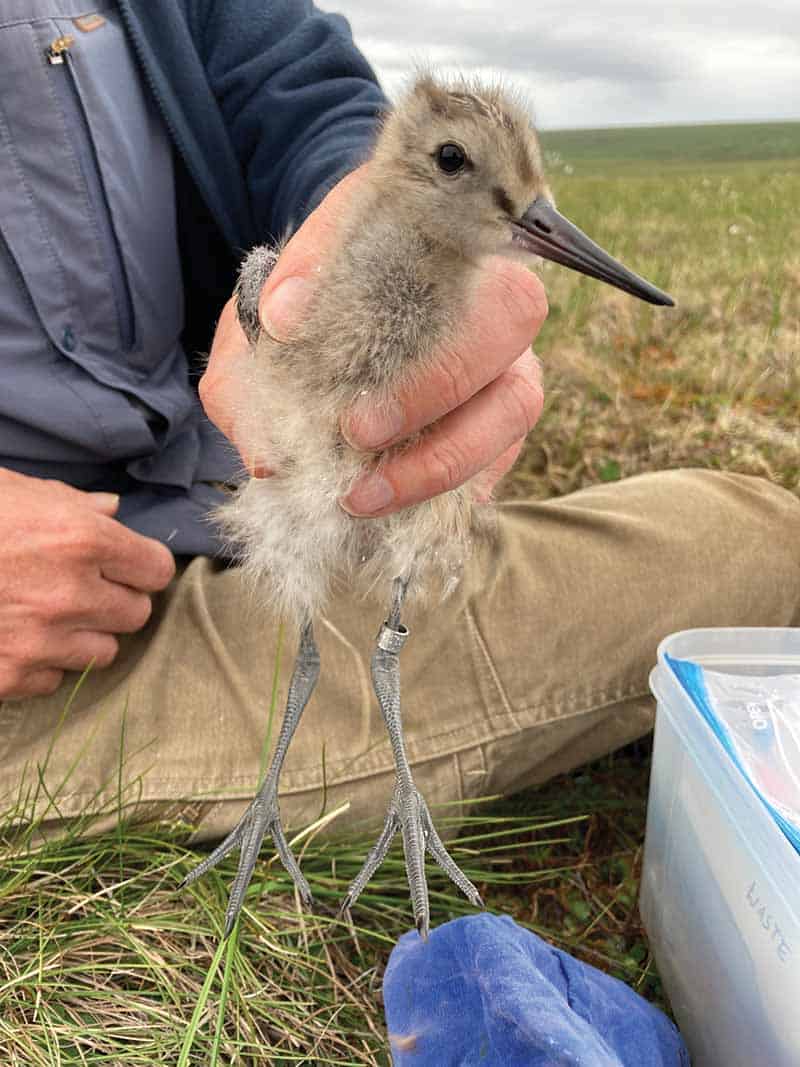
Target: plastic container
x: 720, y: 894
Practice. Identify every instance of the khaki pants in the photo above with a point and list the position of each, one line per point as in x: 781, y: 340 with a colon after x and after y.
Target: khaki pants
x: 539, y: 664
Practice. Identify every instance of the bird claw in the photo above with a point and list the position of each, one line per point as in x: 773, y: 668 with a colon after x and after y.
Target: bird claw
x: 262, y: 817
x: 409, y: 814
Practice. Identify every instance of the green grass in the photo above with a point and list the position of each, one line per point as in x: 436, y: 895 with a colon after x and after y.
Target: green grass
x: 714, y: 382
x: 726, y: 143
x: 102, y: 961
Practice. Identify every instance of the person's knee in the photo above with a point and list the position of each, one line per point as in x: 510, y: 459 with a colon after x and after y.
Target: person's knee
x: 756, y: 527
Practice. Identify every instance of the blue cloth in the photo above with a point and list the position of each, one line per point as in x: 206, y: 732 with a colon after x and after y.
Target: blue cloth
x: 485, y: 992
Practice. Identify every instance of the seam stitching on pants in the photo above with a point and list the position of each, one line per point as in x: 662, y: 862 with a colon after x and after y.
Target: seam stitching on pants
x: 459, y: 776
x: 208, y: 791
x: 363, y: 678
x: 472, y: 622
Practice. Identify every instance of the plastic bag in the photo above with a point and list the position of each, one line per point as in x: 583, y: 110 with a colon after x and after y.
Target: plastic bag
x: 757, y: 719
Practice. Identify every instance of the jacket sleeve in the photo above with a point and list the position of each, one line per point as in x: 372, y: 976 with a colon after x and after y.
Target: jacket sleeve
x: 299, y: 100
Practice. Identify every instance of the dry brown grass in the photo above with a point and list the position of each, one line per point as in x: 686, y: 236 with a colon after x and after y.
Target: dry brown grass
x: 714, y: 382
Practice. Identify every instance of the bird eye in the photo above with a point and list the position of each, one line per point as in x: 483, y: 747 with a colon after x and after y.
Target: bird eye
x: 451, y: 158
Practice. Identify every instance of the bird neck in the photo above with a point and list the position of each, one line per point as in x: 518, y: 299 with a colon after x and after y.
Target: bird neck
x: 392, y: 295
x: 387, y: 243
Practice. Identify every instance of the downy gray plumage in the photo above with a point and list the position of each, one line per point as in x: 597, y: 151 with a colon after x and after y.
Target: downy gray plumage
x: 456, y: 175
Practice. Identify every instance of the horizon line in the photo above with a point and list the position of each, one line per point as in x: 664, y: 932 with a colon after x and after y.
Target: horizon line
x: 670, y: 123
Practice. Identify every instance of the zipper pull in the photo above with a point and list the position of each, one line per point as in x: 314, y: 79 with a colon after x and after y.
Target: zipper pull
x: 55, y: 52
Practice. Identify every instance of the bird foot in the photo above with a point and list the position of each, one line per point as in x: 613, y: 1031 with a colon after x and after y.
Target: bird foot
x: 409, y: 814
x: 261, y: 817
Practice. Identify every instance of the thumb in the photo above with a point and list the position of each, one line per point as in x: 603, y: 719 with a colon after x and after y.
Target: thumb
x: 105, y: 503
x: 292, y: 280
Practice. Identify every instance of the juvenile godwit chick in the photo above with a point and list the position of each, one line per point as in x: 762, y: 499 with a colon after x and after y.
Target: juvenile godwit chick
x: 456, y: 175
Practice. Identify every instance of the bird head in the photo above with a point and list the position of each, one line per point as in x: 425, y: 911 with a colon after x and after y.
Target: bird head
x: 464, y: 166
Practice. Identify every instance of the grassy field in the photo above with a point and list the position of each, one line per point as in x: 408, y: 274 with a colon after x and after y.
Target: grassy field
x: 684, y: 146
x: 714, y: 383
x: 102, y: 961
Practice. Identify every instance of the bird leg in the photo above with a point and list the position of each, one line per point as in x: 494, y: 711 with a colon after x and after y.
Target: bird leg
x: 407, y: 811
x: 263, y: 814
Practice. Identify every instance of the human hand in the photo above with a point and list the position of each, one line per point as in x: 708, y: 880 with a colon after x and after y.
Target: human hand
x: 71, y: 577
x: 478, y: 399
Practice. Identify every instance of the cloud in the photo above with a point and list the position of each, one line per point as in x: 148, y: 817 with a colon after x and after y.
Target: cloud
x: 598, y: 63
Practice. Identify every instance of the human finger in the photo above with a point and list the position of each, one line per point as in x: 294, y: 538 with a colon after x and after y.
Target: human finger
x: 116, y: 609
x: 464, y: 442
x: 228, y: 352
x: 506, y: 311
x: 293, y: 278
x: 105, y: 503
x: 484, y: 482
x: 221, y: 388
x: 134, y: 560
x: 34, y: 683
x: 85, y: 648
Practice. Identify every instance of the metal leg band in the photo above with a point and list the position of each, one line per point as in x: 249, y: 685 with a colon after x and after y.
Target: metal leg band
x: 391, y: 640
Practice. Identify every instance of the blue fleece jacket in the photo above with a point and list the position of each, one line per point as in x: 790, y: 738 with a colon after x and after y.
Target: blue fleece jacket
x: 268, y: 103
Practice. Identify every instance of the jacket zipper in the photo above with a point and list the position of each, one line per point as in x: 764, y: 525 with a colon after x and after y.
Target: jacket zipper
x: 58, y: 55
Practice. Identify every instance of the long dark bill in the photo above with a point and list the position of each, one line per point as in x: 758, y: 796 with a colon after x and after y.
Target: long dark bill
x: 545, y: 232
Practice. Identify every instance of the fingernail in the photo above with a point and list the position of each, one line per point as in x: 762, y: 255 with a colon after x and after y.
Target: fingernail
x: 371, y: 494
x: 371, y: 425
x: 105, y: 501
x: 281, y: 309
x: 257, y: 465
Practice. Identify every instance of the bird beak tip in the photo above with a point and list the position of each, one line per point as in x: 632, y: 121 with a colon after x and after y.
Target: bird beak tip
x: 662, y: 299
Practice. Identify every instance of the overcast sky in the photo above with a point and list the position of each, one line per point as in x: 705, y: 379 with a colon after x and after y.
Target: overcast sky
x: 599, y: 62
